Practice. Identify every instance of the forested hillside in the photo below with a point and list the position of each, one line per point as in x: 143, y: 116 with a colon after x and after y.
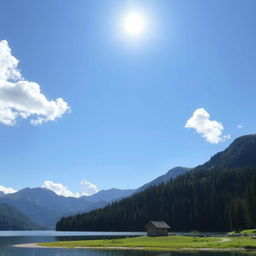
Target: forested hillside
x: 212, y: 197
x: 12, y: 219
x: 218, y: 200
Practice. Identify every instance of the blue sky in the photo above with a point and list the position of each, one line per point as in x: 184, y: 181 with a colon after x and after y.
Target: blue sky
x: 129, y: 98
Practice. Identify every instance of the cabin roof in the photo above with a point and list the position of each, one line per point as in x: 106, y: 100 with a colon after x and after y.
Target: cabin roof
x: 158, y: 224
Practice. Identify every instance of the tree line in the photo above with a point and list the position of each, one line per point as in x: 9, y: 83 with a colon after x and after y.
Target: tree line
x: 203, y: 200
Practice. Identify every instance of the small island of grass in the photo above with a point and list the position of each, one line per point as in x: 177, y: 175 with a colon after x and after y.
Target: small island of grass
x: 162, y: 243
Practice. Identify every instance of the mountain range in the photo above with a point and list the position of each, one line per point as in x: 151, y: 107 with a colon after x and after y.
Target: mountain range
x: 219, y: 195
x: 43, y: 207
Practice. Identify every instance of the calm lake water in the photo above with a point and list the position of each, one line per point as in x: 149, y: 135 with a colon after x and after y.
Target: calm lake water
x: 9, y: 238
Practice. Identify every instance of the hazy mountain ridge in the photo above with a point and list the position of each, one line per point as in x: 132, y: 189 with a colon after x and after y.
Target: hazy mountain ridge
x: 12, y: 219
x: 44, y: 207
x: 110, y: 195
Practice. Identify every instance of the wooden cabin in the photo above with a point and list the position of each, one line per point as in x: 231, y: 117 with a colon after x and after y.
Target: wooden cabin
x: 157, y: 228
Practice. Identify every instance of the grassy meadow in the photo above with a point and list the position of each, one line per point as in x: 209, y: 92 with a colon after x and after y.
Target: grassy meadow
x: 162, y: 243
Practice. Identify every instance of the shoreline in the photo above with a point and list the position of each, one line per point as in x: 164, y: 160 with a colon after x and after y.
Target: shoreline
x: 36, y: 245
x: 29, y: 245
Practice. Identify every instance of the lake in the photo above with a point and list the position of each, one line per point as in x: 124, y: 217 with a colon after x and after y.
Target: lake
x: 9, y: 238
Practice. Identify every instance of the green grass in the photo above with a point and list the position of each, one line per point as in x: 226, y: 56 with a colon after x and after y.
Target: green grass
x: 244, y: 232
x: 162, y: 243
x: 249, y: 232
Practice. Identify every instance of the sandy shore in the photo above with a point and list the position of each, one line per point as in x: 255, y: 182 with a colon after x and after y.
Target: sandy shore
x: 32, y: 245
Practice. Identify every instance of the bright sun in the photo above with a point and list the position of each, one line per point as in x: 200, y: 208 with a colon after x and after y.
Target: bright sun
x: 134, y: 24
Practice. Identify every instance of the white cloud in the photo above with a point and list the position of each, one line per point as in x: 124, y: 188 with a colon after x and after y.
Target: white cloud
x: 7, y: 190
x: 211, y: 130
x: 59, y: 189
x: 88, y: 188
x: 240, y: 126
x: 8, y: 63
x: 20, y: 98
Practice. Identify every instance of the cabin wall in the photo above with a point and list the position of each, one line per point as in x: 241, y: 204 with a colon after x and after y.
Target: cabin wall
x: 153, y: 231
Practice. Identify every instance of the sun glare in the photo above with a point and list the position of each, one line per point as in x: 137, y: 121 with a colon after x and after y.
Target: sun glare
x: 134, y: 24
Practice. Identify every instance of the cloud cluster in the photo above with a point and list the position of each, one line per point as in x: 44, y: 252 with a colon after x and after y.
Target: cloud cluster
x: 88, y: 188
x: 58, y: 188
x: 7, y: 190
x: 20, y: 98
x: 211, y: 130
